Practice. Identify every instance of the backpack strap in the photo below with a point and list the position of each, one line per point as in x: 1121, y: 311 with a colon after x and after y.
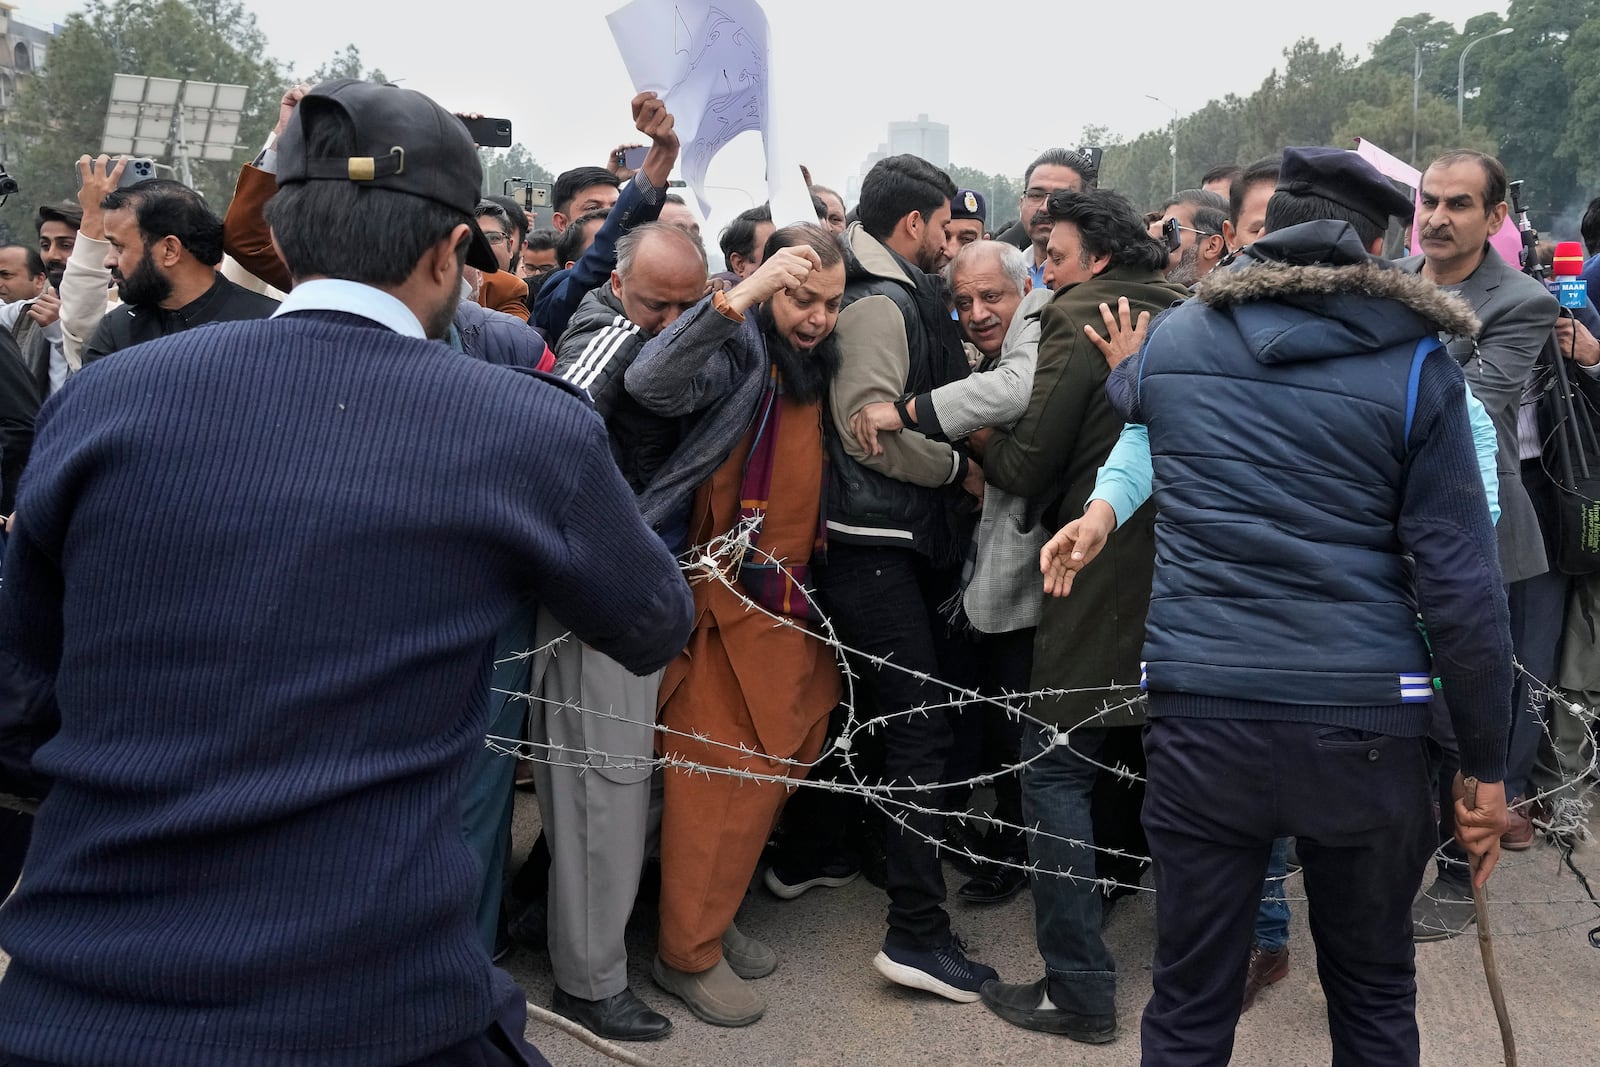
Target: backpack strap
x: 1427, y: 345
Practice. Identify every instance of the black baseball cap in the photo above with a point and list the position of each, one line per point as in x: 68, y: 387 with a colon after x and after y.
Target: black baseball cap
x: 405, y: 143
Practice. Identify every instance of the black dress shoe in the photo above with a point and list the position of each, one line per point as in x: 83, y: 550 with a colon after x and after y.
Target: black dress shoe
x: 1020, y: 1005
x: 995, y: 885
x: 623, y: 1017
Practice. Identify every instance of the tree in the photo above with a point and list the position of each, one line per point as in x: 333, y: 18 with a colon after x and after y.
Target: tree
x: 60, y: 114
x: 499, y: 165
x: 345, y: 64
x: 1530, y: 81
x: 1000, y: 193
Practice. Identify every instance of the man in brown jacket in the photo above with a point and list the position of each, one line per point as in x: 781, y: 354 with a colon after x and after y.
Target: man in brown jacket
x: 758, y: 694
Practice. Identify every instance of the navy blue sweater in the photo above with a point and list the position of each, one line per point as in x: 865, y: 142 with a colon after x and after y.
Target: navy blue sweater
x: 266, y: 562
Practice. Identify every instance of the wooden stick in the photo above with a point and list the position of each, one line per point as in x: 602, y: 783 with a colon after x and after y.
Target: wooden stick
x: 1480, y: 908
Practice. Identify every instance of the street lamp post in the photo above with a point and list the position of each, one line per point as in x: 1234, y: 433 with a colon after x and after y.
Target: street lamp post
x: 1174, y: 135
x: 1461, y: 75
x: 1416, y: 96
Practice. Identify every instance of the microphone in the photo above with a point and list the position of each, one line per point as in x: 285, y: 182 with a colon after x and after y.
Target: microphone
x: 1567, y: 270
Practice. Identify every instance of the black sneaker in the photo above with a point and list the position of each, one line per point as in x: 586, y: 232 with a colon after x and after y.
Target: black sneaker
x: 944, y: 970
x: 787, y: 881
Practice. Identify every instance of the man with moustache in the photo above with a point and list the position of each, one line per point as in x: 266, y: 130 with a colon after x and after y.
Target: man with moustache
x: 165, y: 244
x: 1463, y: 199
x: 998, y: 309
x: 1055, y: 169
x: 745, y: 694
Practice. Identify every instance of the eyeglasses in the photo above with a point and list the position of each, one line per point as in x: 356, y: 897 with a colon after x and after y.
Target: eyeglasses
x: 538, y: 269
x: 1035, y: 194
x: 494, y: 237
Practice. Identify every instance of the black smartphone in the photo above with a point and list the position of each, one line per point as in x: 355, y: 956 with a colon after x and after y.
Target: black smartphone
x: 487, y: 132
x: 1171, y: 236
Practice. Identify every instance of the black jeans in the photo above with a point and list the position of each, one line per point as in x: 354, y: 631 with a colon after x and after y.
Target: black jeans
x: 885, y: 602
x: 15, y: 829
x: 1220, y: 792
x: 987, y: 738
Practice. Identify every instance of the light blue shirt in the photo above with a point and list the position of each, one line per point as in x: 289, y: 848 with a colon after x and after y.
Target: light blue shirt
x: 1036, y: 271
x: 353, y: 298
x: 1125, y: 480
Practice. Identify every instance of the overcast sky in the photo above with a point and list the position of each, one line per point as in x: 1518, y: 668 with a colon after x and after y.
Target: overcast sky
x: 1010, y: 78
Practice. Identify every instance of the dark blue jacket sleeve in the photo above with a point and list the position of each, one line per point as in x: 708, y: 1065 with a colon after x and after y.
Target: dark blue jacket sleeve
x: 1444, y: 524
x: 617, y: 588
x: 637, y: 203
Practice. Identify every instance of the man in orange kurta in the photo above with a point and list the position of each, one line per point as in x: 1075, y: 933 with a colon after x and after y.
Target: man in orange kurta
x: 758, y: 691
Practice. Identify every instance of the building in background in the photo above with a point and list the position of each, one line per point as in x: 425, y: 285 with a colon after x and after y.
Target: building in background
x: 923, y: 137
x: 24, y: 53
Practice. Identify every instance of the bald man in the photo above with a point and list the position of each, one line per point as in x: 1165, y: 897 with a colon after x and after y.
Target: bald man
x: 593, y: 778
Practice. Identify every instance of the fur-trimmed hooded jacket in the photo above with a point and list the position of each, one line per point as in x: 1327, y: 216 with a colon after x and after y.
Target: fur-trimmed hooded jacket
x: 1285, y: 407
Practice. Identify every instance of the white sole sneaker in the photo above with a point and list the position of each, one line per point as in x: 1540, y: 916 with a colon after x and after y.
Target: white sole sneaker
x: 900, y: 974
x: 784, y: 891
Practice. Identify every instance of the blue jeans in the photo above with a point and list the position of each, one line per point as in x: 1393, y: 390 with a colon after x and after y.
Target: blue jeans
x: 1081, y: 976
x: 1272, y: 918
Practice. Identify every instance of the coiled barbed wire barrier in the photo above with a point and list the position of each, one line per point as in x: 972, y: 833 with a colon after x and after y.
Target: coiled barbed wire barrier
x: 1564, y: 819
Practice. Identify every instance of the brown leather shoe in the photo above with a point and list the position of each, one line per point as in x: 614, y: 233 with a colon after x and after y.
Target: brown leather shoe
x: 1519, y: 832
x: 1265, y: 968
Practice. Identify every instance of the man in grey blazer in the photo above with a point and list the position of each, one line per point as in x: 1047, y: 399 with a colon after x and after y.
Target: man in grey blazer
x: 1463, y: 204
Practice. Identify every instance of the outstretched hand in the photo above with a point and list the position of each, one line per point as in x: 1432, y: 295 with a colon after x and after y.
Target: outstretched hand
x: 1075, y: 546
x: 1123, y: 336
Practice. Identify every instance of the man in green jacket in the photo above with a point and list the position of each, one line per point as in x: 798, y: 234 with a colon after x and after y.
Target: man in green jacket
x: 1099, y: 252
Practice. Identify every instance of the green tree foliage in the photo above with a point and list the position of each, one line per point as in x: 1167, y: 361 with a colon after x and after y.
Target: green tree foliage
x: 345, y: 64
x: 1000, y: 193
x: 503, y: 164
x: 60, y: 114
x: 1532, y: 98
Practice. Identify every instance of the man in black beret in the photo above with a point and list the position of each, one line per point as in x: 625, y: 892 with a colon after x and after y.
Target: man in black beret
x: 968, y: 222
x: 1316, y: 488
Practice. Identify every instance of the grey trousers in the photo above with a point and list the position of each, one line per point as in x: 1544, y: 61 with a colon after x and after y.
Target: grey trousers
x: 593, y: 784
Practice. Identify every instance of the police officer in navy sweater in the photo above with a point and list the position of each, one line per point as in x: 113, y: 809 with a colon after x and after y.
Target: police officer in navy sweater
x: 1316, y: 489
x: 265, y: 564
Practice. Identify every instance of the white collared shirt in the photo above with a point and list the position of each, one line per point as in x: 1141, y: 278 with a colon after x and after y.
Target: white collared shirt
x: 352, y: 298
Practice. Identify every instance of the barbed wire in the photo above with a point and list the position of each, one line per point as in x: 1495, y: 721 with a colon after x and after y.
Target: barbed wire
x: 1563, y: 808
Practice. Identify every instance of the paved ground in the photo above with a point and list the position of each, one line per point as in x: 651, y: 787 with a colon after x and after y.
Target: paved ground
x: 827, y: 1006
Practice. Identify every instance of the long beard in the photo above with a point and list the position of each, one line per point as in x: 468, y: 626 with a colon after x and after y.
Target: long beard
x: 805, y: 375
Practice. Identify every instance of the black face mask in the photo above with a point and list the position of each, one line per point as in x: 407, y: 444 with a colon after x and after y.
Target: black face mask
x: 805, y: 375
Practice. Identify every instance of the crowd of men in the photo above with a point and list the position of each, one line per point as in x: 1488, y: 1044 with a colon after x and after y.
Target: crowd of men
x: 274, y: 571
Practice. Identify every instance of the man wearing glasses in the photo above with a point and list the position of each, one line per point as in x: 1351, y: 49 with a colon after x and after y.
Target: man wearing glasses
x: 539, y: 260
x: 500, y: 290
x: 1191, y: 226
x: 1056, y: 168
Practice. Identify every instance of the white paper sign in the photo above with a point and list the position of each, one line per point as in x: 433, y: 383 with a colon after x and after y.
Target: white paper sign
x: 709, y: 62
